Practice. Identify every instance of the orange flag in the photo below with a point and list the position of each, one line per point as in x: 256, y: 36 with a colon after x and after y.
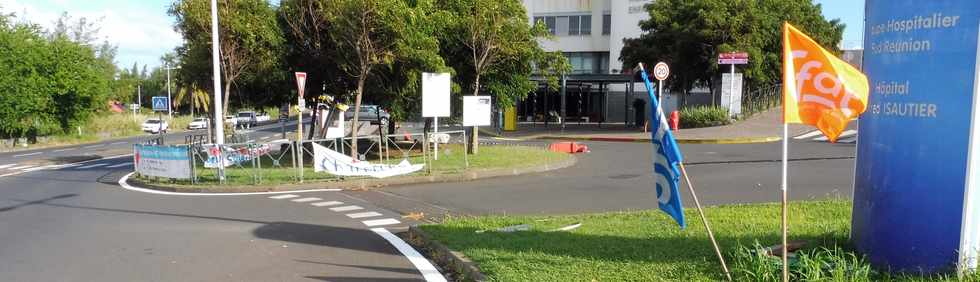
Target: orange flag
x: 819, y: 89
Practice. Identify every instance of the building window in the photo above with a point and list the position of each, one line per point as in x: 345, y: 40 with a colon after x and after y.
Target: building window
x: 567, y: 25
x: 588, y: 62
x: 606, y: 24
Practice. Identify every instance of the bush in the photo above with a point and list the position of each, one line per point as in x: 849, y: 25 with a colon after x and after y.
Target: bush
x: 703, y: 116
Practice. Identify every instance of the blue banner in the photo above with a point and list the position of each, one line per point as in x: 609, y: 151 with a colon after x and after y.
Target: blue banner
x: 666, y: 158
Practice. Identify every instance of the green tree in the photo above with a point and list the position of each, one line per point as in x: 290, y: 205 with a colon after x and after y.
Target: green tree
x: 691, y: 33
x: 495, y: 50
x: 250, y: 37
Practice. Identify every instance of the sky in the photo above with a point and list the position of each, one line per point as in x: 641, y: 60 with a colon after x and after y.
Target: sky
x: 144, y: 32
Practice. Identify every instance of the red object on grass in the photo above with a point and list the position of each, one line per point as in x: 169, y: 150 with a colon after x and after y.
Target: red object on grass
x: 568, y: 147
x: 675, y: 120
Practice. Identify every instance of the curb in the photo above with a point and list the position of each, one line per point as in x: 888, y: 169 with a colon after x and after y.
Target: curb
x: 743, y: 140
x: 457, y: 264
x: 363, y: 184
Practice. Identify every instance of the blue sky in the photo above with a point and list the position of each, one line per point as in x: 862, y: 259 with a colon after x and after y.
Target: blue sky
x: 143, y: 31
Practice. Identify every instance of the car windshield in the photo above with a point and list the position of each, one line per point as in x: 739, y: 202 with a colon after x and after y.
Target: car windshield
x: 244, y: 115
x: 152, y: 121
x: 200, y: 120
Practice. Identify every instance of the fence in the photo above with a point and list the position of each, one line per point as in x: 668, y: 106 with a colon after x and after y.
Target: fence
x: 762, y: 100
x: 285, y: 161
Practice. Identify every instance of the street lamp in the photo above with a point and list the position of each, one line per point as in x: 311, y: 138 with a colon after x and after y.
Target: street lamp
x: 170, y: 101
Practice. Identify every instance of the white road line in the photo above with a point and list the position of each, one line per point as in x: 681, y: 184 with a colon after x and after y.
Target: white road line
x: 40, y: 168
x: 21, y: 167
x: 94, y: 146
x: 120, y: 165
x: 808, y: 134
x: 68, y: 165
x: 62, y: 150
x: 429, y: 272
x: 327, y: 204
x: 821, y: 138
x: 363, y: 214
x: 380, y: 222
x: 28, y: 154
x: 851, y: 139
x: 266, y: 137
x: 346, y: 208
x: 6, y: 166
x: 118, y: 143
x: 280, y: 197
x: 123, y: 183
x: 80, y: 163
x: 250, y: 141
x: 91, y: 166
x: 847, y: 133
x: 303, y: 200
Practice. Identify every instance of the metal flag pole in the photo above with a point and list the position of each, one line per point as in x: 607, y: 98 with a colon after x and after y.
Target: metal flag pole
x: 704, y: 220
x: 784, y: 204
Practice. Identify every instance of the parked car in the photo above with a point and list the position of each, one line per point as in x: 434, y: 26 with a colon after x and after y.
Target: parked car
x: 247, y: 119
x: 373, y: 113
x: 198, y: 123
x: 263, y: 117
x: 155, y: 126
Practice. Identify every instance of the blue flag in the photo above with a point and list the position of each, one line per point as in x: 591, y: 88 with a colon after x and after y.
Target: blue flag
x: 666, y: 158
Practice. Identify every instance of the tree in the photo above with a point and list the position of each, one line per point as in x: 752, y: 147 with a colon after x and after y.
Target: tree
x: 691, y: 33
x: 249, y: 35
x: 492, y: 39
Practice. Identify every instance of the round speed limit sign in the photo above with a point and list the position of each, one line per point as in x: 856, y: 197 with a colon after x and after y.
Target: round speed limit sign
x: 661, y: 71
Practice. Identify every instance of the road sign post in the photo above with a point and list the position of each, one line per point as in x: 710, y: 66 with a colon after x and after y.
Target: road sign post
x: 733, y: 58
x: 300, y: 88
x: 661, y: 71
x: 435, y: 101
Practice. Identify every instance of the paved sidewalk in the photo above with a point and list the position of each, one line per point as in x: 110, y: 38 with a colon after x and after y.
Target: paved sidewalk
x: 763, y: 127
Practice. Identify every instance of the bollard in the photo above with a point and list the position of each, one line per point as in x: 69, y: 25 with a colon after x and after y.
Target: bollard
x: 675, y: 120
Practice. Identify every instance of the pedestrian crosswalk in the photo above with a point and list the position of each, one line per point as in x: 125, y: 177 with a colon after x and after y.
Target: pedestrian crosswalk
x: 847, y: 137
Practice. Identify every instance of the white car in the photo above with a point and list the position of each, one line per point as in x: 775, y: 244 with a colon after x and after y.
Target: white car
x: 198, y: 123
x: 155, y: 126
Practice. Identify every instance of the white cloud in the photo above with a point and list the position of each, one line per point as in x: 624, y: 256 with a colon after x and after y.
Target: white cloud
x: 142, y: 32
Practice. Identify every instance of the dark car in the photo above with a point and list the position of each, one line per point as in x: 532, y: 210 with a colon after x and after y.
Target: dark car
x: 371, y: 113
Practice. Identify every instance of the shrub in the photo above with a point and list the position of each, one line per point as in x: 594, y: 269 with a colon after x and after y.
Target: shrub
x: 703, y: 116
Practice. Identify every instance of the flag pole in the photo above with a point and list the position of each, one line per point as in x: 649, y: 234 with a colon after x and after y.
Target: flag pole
x: 704, y: 220
x: 785, y: 223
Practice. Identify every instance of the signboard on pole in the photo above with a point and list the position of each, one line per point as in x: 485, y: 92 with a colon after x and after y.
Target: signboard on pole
x: 917, y: 176
x: 734, y: 58
x: 162, y: 161
x: 661, y: 71
x: 477, y: 110
x: 160, y: 103
x: 301, y: 83
x: 731, y: 93
x: 435, y: 94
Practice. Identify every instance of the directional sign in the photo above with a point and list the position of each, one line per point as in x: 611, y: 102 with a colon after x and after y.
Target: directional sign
x: 661, y: 71
x: 301, y: 82
x: 733, y: 58
x: 160, y: 103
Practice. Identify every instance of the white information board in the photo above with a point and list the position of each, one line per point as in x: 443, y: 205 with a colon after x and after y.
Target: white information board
x: 435, y: 94
x: 729, y: 99
x: 477, y: 110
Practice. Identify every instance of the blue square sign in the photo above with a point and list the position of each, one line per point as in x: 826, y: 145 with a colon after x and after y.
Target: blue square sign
x: 160, y: 103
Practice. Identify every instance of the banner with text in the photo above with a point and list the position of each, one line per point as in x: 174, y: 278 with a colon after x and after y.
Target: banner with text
x: 162, y: 161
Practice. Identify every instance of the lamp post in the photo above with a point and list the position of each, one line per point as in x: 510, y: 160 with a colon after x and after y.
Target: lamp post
x: 170, y: 101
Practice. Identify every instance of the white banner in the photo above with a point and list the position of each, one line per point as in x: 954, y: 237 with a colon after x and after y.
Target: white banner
x: 162, y: 161
x: 235, y: 156
x: 336, y: 163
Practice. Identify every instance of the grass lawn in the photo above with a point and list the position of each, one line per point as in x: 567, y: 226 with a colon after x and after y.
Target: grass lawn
x: 451, y: 161
x: 649, y: 246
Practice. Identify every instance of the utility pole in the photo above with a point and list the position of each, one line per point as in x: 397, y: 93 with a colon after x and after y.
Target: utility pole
x: 219, y: 129
x: 170, y: 100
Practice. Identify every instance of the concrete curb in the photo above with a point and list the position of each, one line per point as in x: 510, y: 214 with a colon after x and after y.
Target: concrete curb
x: 741, y: 140
x: 365, y: 183
x: 458, y: 265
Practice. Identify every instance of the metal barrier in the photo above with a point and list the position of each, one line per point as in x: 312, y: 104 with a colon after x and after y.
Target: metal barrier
x: 762, y: 100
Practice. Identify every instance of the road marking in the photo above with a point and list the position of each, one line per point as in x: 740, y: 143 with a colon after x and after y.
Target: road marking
x: 40, y: 168
x: 68, y: 165
x: 808, y: 134
x: 117, y: 143
x: 327, y: 204
x: 250, y: 141
x: 346, y: 208
x: 380, y: 222
x: 851, y: 139
x: 28, y: 154
x: 91, y: 166
x: 429, y: 272
x: 20, y: 167
x: 303, y: 200
x: 125, y: 185
x: 280, y: 197
x: 847, y: 133
x: 62, y: 150
x: 120, y: 165
x: 6, y: 166
x: 78, y: 163
x: 363, y: 214
x: 266, y: 137
x: 93, y: 146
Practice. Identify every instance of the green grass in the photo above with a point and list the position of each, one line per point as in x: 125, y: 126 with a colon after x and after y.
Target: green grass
x: 649, y: 246
x: 108, y: 125
x: 451, y: 161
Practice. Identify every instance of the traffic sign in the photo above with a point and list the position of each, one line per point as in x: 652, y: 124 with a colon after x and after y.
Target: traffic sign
x: 301, y: 83
x: 160, y: 103
x: 134, y: 107
x: 733, y: 58
x: 661, y: 71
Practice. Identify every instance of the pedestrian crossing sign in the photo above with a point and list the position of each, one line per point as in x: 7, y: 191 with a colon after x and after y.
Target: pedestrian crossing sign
x: 160, y: 103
